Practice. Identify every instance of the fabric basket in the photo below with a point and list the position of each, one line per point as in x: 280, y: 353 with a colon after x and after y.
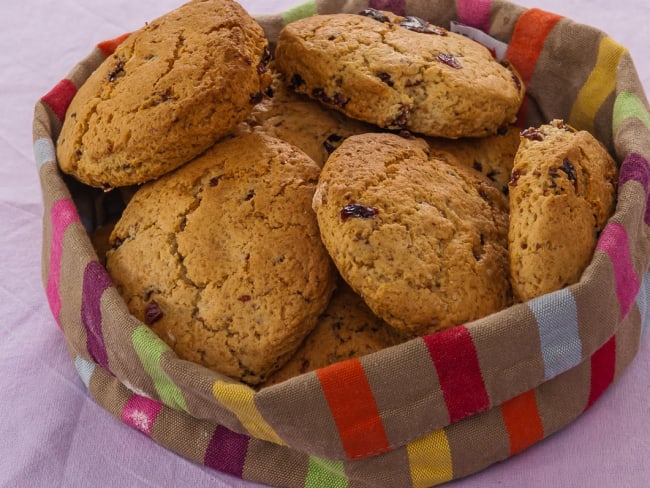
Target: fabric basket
x: 433, y: 409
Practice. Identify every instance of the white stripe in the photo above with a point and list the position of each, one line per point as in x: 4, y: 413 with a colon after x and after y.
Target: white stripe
x: 85, y: 369
x: 44, y: 151
x: 557, y: 321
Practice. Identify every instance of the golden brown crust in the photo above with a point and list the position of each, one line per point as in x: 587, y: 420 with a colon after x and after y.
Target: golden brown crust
x: 228, y: 249
x: 437, y: 84
x: 562, y: 192
x: 168, y: 92
x: 421, y: 239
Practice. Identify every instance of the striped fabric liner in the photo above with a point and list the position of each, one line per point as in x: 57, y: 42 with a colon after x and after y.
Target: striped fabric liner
x: 527, y: 42
x: 468, y: 399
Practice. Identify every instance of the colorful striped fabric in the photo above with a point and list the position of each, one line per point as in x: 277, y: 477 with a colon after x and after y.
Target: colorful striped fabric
x: 433, y: 409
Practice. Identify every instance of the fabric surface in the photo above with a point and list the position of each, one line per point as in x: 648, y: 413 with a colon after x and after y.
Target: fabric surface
x: 40, y: 378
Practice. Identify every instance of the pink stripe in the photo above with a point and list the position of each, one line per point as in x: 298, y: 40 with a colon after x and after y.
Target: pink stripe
x: 614, y: 242
x: 63, y: 214
x: 475, y: 13
x: 140, y: 413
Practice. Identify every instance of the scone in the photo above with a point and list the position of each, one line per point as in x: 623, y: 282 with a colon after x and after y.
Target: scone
x: 493, y: 156
x: 222, y: 257
x: 168, y: 93
x: 562, y: 191
x: 422, y: 240
x: 347, y: 329
x: 301, y: 121
x: 399, y: 73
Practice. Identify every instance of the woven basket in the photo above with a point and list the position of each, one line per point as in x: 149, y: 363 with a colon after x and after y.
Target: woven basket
x: 421, y: 413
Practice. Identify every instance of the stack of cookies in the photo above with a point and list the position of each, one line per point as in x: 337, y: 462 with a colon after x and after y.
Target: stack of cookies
x: 362, y: 186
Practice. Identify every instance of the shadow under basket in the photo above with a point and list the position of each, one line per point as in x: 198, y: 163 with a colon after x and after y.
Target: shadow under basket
x: 435, y: 408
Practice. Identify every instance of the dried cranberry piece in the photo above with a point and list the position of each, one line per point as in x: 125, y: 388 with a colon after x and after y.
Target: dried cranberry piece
x: 570, y: 171
x: 449, y: 60
x: 416, y: 24
x: 406, y: 134
x: 514, y: 177
x: 385, y: 77
x: 152, y: 313
x: 533, y: 134
x: 256, y: 98
x: 296, y: 81
x: 359, y: 211
x: 402, y: 118
x: 517, y: 81
x: 330, y: 142
x: 118, y: 70
x: 262, y: 67
x: 375, y: 14
x: 340, y: 100
x: 244, y: 298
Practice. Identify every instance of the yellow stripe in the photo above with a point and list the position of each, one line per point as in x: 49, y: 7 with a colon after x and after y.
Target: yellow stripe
x: 430, y: 460
x: 239, y: 400
x: 600, y: 84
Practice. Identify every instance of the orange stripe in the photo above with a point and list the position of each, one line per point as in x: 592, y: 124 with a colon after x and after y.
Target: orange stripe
x: 526, y: 44
x: 523, y: 422
x: 354, y: 409
x: 109, y: 47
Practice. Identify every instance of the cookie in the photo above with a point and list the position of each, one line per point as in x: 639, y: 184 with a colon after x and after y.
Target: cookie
x: 399, y: 73
x: 222, y: 257
x: 168, y: 93
x: 347, y: 329
x: 493, y: 156
x: 302, y: 122
x: 422, y: 240
x: 562, y: 191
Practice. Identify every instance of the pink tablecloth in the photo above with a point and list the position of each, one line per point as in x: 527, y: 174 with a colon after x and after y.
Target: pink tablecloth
x: 53, y: 434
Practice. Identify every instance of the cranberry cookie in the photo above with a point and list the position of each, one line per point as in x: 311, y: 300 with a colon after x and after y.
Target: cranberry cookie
x: 422, y: 240
x: 223, y: 258
x: 399, y: 73
x: 562, y: 191
x: 169, y: 92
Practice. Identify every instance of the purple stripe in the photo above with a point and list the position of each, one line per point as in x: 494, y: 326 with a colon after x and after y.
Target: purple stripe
x: 96, y: 281
x: 614, y: 242
x: 398, y: 7
x: 636, y: 168
x: 475, y: 13
x: 227, y: 451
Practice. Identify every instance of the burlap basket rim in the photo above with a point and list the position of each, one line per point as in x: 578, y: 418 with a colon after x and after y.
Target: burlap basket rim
x: 535, y: 352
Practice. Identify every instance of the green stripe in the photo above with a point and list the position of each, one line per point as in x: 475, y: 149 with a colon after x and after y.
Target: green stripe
x: 629, y: 105
x: 299, y: 12
x: 323, y: 472
x: 150, y: 349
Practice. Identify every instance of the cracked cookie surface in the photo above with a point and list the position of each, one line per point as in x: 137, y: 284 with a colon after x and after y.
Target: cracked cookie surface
x: 562, y: 191
x: 428, y: 80
x: 168, y: 92
x: 223, y: 256
x: 422, y: 240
